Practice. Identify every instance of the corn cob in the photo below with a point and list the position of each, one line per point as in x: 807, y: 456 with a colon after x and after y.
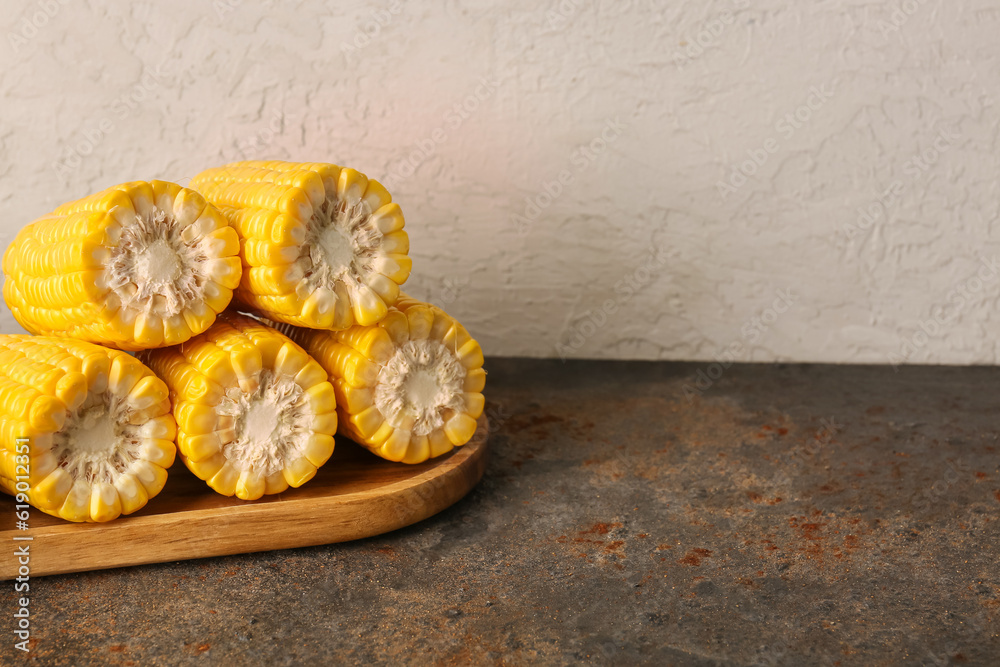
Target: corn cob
x: 408, y: 388
x: 254, y: 413
x: 136, y: 266
x: 96, y: 427
x: 322, y: 246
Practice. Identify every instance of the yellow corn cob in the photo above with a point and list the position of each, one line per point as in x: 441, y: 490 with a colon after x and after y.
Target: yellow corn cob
x: 96, y: 426
x: 136, y: 266
x: 408, y: 388
x: 254, y: 413
x: 322, y: 246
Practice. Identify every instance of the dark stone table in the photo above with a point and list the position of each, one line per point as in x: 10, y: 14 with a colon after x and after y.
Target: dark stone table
x: 631, y: 513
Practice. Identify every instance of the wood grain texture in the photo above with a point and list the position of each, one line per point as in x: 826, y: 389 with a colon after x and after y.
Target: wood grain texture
x: 355, y: 495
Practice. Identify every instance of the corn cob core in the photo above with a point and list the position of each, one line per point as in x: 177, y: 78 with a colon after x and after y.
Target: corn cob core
x: 409, y: 388
x: 96, y: 422
x: 136, y: 266
x: 322, y: 246
x: 255, y: 414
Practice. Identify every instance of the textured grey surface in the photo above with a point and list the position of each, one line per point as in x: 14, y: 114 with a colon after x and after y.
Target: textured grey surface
x: 783, y: 515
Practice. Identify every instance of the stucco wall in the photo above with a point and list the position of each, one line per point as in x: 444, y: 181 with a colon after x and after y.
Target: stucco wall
x: 757, y: 180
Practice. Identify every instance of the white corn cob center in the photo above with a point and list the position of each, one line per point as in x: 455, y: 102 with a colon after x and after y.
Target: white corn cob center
x: 343, y: 244
x: 152, y: 269
x: 265, y: 430
x: 165, y: 261
x: 108, y: 443
x: 421, y: 380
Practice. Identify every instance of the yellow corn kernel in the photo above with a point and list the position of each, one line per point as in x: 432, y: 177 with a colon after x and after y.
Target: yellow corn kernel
x: 137, y: 266
x: 273, y: 423
x: 323, y: 246
x: 96, y: 427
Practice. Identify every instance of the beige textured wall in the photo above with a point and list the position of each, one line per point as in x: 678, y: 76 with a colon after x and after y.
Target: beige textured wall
x: 750, y: 180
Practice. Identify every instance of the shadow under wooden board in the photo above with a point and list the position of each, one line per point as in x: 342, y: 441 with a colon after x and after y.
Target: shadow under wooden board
x: 355, y: 495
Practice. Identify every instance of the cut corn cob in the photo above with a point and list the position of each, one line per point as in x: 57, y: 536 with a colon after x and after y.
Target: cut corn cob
x: 96, y: 426
x: 136, y: 266
x: 255, y: 414
x: 322, y: 246
x: 408, y: 388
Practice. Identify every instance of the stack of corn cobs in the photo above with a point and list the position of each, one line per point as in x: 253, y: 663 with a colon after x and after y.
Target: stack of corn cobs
x: 315, y: 252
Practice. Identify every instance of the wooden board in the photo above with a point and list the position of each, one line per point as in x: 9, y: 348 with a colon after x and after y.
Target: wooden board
x: 355, y: 495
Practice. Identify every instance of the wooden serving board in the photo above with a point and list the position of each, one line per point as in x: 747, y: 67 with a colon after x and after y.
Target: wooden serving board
x: 355, y: 495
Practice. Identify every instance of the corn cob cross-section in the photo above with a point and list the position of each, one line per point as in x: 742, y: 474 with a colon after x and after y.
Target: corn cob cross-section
x: 322, y: 246
x: 255, y: 414
x: 86, y: 432
x: 408, y: 388
x: 136, y: 266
